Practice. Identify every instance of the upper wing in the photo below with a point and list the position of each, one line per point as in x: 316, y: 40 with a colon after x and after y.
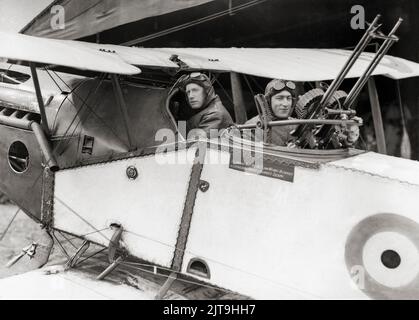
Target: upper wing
x: 291, y: 64
x: 62, y: 53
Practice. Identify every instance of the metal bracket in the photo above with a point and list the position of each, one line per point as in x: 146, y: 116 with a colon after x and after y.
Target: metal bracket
x: 114, y: 244
x: 30, y: 251
x: 166, y: 286
x: 182, y: 65
x: 204, y: 185
x: 75, y: 258
x: 114, y: 248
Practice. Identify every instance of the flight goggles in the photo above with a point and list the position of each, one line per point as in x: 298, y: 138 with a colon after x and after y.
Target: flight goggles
x: 191, y: 77
x: 196, y: 76
x: 280, y: 84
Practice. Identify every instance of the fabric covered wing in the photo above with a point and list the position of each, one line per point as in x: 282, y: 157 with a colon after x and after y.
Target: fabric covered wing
x: 292, y: 64
x: 62, y: 53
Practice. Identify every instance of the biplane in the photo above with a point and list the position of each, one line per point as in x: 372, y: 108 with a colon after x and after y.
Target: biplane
x: 81, y: 152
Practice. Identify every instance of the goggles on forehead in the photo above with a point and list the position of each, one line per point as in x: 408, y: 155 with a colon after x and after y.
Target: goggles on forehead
x: 196, y: 76
x: 200, y: 77
x: 280, y: 84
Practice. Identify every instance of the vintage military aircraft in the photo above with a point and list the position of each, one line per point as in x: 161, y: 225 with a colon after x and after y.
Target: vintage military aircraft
x: 82, y: 152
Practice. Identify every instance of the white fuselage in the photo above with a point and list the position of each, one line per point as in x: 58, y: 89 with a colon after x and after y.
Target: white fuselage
x: 260, y: 236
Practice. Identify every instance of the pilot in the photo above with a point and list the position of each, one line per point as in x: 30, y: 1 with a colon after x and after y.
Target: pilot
x: 281, y: 96
x: 207, y: 113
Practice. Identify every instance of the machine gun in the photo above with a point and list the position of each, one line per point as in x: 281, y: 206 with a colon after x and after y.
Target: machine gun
x: 265, y: 117
x: 266, y: 122
x: 334, y: 104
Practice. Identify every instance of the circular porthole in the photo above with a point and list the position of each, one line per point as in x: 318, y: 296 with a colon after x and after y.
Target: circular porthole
x: 18, y: 157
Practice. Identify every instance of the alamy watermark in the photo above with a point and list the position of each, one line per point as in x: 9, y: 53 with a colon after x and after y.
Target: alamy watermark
x: 358, y: 277
x: 358, y: 20
x: 58, y: 17
x: 245, y: 147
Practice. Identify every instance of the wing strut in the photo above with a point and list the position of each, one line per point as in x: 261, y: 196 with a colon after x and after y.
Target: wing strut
x: 44, y: 121
x: 376, y: 116
x: 238, y: 99
x: 123, y: 107
x: 114, y: 249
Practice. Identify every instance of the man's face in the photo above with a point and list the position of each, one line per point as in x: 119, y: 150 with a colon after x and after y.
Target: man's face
x: 281, y: 104
x: 196, y: 95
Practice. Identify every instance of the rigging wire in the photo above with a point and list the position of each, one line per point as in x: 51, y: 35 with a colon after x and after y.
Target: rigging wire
x: 194, y: 22
x: 81, y: 218
x: 59, y: 108
x: 60, y: 246
x: 248, y: 84
x: 225, y: 91
x: 83, y: 235
x: 3, y: 234
x: 91, y: 256
x: 58, y: 76
x: 257, y: 84
x: 67, y: 240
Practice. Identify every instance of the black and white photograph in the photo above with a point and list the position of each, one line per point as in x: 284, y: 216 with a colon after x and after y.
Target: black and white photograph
x: 229, y: 151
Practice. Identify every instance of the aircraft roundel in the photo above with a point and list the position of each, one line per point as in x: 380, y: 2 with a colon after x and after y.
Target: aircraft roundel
x: 382, y: 257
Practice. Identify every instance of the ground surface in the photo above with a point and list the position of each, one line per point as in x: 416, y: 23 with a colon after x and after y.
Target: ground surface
x: 21, y: 232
